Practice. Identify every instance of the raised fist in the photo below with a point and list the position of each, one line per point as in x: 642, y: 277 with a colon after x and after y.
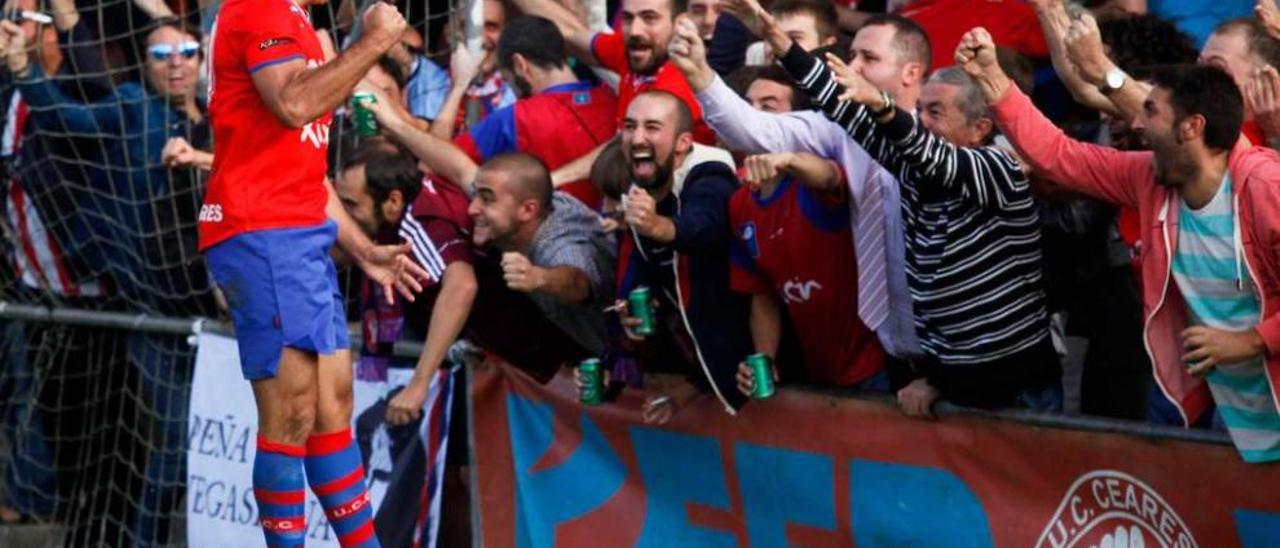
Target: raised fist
x: 976, y: 52
x: 383, y: 20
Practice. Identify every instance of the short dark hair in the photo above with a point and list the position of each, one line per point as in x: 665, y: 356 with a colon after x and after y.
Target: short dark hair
x: 531, y: 178
x: 1260, y: 42
x: 1145, y: 41
x: 1210, y: 92
x: 740, y: 81
x: 909, y: 39
x: 824, y: 14
x: 684, y: 116
x: 535, y: 38
x: 610, y: 173
x: 677, y: 6
x: 387, y: 167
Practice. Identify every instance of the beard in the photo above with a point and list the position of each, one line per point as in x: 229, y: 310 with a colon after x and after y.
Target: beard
x: 657, y: 56
x: 652, y: 178
x: 521, y: 86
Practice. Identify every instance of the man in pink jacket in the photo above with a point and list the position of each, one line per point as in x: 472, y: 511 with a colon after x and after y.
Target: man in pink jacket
x: 1210, y: 209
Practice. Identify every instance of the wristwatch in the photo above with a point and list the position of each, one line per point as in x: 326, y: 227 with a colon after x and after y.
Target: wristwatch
x: 887, y: 108
x: 1113, y: 81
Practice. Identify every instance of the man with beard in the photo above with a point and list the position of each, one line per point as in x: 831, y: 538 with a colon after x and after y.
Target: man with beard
x: 1209, y: 205
x: 638, y: 54
x: 679, y: 249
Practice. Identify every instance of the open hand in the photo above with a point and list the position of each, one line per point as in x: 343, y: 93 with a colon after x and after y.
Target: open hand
x: 856, y: 88
x: 390, y: 267
x: 1262, y: 97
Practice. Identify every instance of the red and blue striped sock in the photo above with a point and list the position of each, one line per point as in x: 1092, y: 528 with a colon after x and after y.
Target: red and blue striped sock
x: 337, y: 477
x: 279, y: 487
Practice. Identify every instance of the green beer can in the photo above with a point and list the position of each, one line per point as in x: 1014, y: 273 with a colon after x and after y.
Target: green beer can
x: 592, y: 382
x: 762, y: 374
x: 366, y: 123
x: 638, y: 302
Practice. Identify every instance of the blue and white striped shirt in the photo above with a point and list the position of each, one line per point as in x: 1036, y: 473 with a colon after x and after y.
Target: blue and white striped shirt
x: 1219, y: 293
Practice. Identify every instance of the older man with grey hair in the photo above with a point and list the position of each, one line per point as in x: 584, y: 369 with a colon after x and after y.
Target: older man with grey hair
x: 973, y: 243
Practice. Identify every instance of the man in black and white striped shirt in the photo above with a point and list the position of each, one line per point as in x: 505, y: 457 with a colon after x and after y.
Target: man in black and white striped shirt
x: 973, y: 241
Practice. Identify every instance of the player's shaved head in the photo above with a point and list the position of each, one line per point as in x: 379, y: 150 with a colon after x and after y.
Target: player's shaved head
x: 527, y: 178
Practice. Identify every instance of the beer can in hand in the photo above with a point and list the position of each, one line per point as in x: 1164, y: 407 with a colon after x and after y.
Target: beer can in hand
x: 641, y: 309
x: 366, y: 123
x: 762, y: 373
x: 592, y: 391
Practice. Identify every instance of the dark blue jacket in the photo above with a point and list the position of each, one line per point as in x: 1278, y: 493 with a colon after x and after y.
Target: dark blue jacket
x: 715, y: 317
x: 147, y: 211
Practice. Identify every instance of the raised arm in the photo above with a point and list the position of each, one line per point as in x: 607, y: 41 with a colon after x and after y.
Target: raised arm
x: 1102, y: 172
x: 988, y: 176
x: 1084, y: 48
x: 441, y: 155
x: 297, y: 94
x: 735, y: 122
x: 1055, y: 21
x: 48, y: 102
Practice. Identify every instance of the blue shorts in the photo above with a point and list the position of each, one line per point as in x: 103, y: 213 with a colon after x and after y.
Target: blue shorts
x: 282, y: 289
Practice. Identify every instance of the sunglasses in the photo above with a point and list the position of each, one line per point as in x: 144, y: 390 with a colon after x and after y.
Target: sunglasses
x: 162, y: 52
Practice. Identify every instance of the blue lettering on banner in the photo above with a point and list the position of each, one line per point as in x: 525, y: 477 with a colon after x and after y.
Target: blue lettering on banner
x: 769, y: 477
x: 553, y: 496
x: 1257, y: 529
x: 893, y: 502
x: 678, y: 469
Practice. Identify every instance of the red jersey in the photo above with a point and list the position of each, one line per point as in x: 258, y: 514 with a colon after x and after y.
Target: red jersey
x: 265, y: 173
x: 799, y: 245
x: 611, y: 52
x: 558, y: 125
x: 1012, y: 24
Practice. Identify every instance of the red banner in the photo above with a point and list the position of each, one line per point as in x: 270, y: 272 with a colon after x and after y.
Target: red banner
x: 811, y: 470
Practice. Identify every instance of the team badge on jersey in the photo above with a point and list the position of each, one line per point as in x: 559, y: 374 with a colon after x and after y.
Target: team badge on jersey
x: 273, y: 42
x: 748, y: 235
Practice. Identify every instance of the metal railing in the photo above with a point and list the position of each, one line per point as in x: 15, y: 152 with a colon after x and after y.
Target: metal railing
x: 411, y: 350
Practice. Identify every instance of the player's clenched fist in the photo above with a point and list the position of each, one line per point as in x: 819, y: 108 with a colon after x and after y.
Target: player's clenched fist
x: 384, y: 21
x: 520, y: 274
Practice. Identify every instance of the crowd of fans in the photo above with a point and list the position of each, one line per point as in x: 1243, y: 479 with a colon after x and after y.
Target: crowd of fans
x: 927, y: 199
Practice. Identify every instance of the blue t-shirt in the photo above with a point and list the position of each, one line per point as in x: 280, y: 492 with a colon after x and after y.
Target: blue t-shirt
x: 1199, y: 17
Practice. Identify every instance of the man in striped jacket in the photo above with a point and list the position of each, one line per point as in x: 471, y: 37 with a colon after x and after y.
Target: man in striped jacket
x: 973, y: 241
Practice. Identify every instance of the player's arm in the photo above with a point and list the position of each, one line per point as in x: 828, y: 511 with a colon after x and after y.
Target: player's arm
x: 766, y: 323
x: 297, y: 95
x: 576, y: 34
x: 458, y: 289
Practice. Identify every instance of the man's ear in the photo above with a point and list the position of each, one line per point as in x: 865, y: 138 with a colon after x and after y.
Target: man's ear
x: 912, y: 73
x: 684, y: 143
x: 393, y: 205
x: 1192, y: 127
x: 982, y: 128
